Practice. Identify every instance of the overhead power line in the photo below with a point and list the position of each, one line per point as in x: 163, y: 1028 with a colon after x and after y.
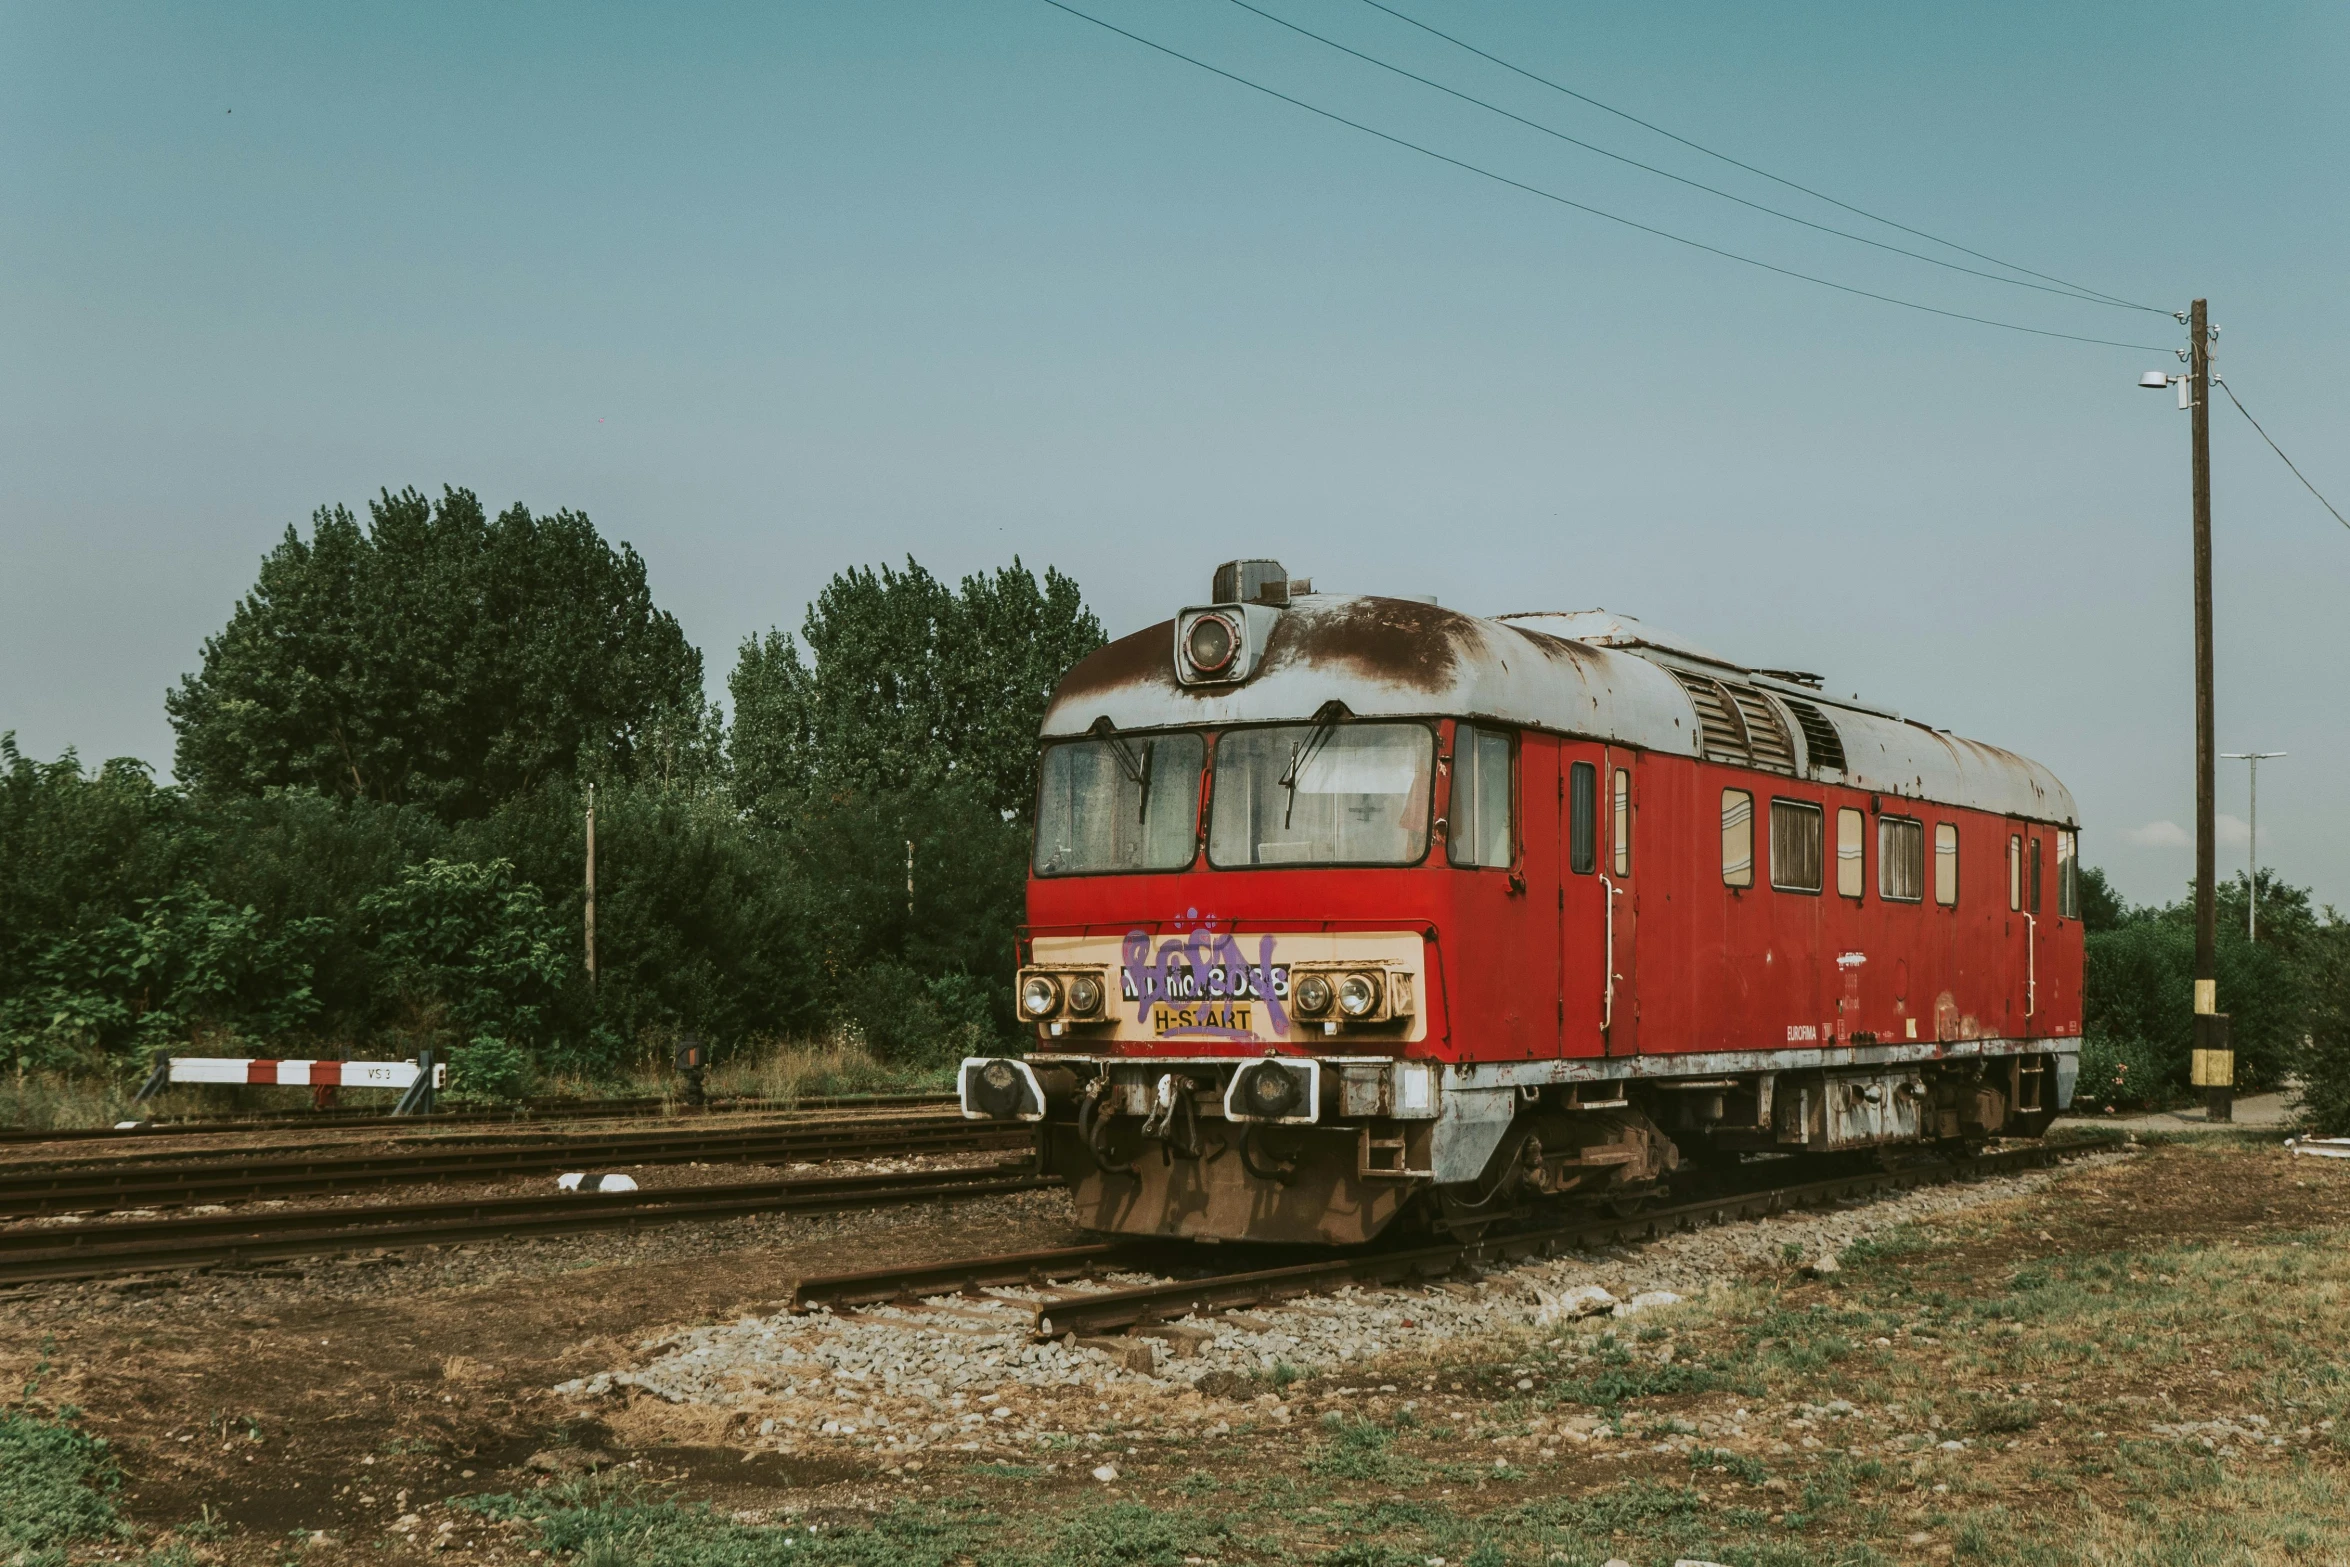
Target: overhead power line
x: 2280, y: 451
x: 2064, y: 291
x: 1597, y: 212
x: 1776, y: 179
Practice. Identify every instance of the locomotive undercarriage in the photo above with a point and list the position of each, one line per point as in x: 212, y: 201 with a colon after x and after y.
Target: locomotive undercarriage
x: 1178, y: 1148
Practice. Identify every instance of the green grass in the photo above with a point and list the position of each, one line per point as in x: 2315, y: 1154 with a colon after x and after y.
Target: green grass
x: 57, y: 1484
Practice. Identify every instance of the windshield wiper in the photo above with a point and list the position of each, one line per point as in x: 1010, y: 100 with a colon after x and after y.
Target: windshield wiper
x: 1325, y: 725
x: 1138, y: 771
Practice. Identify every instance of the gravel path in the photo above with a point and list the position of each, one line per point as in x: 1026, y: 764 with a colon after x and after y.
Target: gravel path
x: 961, y: 1371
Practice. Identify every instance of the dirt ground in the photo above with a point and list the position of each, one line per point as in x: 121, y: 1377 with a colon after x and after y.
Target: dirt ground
x: 2139, y: 1362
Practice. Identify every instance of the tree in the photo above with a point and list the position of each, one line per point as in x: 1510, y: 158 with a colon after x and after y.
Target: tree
x: 442, y: 658
x: 2102, y: 908
x: 912, y: 686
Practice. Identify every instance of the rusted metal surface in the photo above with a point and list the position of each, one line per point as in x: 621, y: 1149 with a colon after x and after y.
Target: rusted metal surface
x: 1588, y: 674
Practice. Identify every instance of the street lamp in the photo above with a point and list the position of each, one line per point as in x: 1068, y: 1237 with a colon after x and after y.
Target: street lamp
x: 2252, y: 877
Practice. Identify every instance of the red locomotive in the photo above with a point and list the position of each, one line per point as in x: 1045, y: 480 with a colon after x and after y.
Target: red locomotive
x: 1345, y: 910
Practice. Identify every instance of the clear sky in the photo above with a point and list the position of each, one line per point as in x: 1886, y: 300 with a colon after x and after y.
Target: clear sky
x: 770, y: 290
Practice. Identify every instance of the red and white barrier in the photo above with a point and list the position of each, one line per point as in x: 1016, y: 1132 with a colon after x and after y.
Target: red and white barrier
x: 301, y: 1074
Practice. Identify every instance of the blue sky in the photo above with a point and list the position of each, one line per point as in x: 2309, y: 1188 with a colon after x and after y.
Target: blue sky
x: 774, y: 290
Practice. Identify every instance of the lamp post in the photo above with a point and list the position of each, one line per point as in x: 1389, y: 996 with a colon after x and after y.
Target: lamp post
x: 2214, y: 1062
x: 2252, y: 876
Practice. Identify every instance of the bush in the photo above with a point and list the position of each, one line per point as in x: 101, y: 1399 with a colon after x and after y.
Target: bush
x: 2120, y: 1074
x: 913, y: 1021
x: 2325, y: 1053
x: 490, y: 1071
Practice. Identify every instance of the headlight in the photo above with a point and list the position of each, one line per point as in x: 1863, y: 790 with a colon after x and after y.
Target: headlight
x: 1269, y: 1091
x: 1085, y: 995
x: 1312, y: 995
x: 1039, y: 995
x: 1358, y: 995
x: 1210, y: 643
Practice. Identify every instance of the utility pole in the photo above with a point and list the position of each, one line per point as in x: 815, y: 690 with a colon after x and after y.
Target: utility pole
x: 2214, y: 1061
x: 2252, y: 876
x: 591, y: 890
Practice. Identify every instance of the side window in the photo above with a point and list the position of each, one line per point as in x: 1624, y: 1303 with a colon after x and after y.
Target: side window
x: 1481, y: 830
x: 2068, y: 875
x: 1737, y: 838
x: 1851, y: 835
x: 1623, y: 822
x: 2015, y: 872
x: 1901, y: 854
x: 1795, y: 846
x: 1583, y: 818
x: 1946, y: 863
x: 2032, y: 880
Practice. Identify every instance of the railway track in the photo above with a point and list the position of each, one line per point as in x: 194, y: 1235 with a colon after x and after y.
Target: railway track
x: 1065, y: 1305
x: 536, y: 1112
x: 53, y: 1255
x: 63, y: 1188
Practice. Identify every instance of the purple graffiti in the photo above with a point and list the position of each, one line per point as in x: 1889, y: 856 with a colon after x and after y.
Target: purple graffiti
x: 1204, y: 974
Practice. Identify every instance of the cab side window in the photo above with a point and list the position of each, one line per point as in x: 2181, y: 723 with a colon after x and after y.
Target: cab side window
x: 1851, y: 841
x: 1623, y: 822
x: 1583, y: 818
x: 1483, y: 829
x: 1946, y: 863
x: 1737, y: 838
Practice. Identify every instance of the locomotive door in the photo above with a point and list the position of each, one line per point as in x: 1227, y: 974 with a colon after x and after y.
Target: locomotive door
x: 1594, y: 937
x: 1616, y: 804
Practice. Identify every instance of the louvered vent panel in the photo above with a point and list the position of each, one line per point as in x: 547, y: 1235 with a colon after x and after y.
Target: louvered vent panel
x: 1765, y: 735
x: 1819, y: 735
x: 1723, y: 733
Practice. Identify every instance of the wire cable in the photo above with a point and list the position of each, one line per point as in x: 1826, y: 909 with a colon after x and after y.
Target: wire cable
x: 2065, y: 291
x: 2280, y: 451
x: 1597, y: 212
x: 1776, y: 179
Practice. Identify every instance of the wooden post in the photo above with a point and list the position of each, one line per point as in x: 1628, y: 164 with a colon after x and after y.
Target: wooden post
x: 591, y: 889
x: 2215, y: 1063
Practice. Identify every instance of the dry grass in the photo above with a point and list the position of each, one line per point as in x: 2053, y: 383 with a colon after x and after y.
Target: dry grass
x: 2137, y: 1366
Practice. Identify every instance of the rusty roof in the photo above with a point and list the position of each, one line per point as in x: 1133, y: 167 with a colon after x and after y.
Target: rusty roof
x: 1385, y: 657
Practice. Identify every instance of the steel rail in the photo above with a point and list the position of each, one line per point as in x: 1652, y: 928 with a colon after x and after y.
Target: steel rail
x: 418, y: 1141
x: 63, y: 1191
x: 835, y: 1291
x: 534, y: 1111
x: 178, y: 1245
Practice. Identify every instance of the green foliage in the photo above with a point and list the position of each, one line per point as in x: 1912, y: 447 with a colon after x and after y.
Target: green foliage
x: 471, y: 947
x: 2121, y: 1074
x: 184, y: 963
x: 440, y: 657
x: 57, y: 1483
x: 488, y: 1070
x: 912, y: 686
x: 2140, y: 984
x: 2325, y: 1061
x: 2102, y: 908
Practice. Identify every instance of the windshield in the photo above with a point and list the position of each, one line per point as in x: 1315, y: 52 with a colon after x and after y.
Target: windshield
x: 1119, y: 804
x: 1322, y: 794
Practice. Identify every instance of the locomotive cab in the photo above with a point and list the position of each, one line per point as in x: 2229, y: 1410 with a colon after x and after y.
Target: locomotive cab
x: 1345, y: 911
